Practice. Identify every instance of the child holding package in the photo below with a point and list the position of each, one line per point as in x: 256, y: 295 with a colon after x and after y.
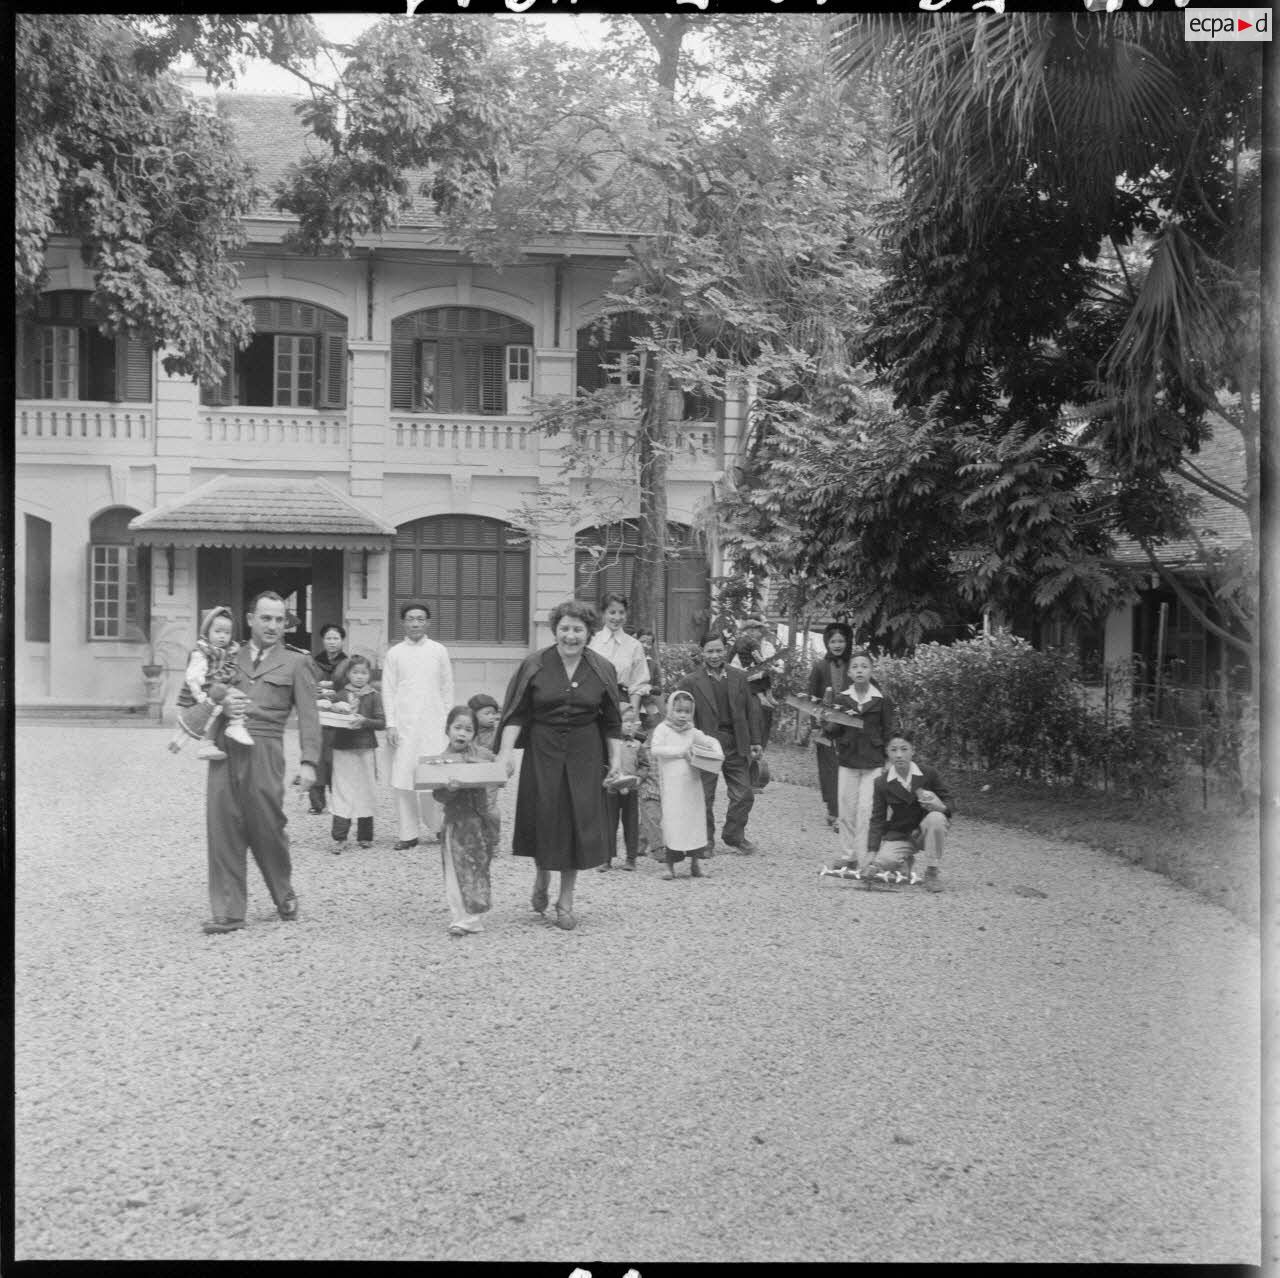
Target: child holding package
x: 684, y: 805
x: 469, y: 835
x: 354, y: 771
x: 211, y: 661
x: 623, y: 805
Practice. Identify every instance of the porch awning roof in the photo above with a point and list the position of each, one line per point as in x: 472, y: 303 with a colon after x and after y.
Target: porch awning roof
x: 231, y: 510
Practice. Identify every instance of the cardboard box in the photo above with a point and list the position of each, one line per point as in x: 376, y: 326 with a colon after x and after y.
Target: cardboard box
x: 434, y: 773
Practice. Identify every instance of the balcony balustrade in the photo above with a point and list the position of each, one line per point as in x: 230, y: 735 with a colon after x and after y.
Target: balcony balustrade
x: 272, y: 433
x: 67, y: 426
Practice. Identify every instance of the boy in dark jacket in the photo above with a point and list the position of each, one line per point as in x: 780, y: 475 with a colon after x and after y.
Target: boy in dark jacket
x: 354, y: 770
x: 910, y: 812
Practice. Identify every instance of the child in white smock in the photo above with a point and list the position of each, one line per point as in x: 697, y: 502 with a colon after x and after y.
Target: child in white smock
x: 684, y: 806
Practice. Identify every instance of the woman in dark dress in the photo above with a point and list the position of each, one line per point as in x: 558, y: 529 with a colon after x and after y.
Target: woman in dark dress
x: 330, y: 663
x: 830, y: 671
x: 562, y: 709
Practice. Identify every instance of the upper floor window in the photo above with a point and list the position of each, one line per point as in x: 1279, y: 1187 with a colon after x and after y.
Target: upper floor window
x: 605, y: 563
x: 460, y: 359
x: 297, y: 358
x: 62, y: 355
x: 607, y: 357
x: 473, y: 572
x: 119, y: 578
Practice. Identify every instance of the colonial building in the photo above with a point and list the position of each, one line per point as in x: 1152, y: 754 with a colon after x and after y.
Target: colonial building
x: 374, y: 443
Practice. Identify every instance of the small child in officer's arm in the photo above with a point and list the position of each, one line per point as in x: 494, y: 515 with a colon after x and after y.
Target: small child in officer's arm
x: 910, y: 815
x: 212, y: 660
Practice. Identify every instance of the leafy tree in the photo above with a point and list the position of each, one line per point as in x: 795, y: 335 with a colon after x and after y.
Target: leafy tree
x: 1077, y: 236
x: 747, y: 251
x: 112, y: 152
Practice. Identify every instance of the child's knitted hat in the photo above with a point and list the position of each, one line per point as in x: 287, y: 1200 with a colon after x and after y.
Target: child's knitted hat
x: 219, y: 610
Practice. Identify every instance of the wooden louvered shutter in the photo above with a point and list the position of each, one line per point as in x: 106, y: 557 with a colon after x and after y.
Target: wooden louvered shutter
x: 448, y: 390
x: 28, y: 380
x: 403, y: 350
x: 515, y: 597
x: 590, y: 377
x: 133, y: 370
x: 333, y: 369
x: 472, y: 356
x: 493, y: 384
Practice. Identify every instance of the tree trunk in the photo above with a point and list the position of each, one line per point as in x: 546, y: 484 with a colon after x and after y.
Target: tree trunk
x: 649, y: 584
x: 666, y: 34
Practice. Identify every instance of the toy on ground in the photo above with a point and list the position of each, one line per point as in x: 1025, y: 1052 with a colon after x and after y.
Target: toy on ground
x: 872, y: 879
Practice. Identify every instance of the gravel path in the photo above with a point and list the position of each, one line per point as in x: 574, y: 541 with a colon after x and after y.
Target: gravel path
x: 761, y: 1066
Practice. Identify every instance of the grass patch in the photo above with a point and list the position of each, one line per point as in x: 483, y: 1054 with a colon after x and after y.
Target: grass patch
x: 1213, y: 853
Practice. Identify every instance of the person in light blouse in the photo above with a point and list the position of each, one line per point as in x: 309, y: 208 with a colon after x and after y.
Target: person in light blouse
x: 624, y: 652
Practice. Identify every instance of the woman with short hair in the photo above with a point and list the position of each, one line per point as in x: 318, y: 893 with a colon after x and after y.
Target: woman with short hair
x: 563, y: 710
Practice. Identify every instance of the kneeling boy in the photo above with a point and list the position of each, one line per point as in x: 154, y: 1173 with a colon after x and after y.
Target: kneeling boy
x: 910, y: 807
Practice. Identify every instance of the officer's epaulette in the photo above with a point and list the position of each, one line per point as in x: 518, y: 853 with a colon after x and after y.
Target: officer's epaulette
x: 302, y: 652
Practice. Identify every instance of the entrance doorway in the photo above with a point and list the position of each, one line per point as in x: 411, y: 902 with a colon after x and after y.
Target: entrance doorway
x: 309, y: 582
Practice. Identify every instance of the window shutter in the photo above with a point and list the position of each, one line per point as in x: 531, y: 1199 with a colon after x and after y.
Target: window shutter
x: 447, y: 396
x: 403, y: 351
x: 493, y: 385
x: 515, y: 597
x: 333, y: 371
x: 133, y: 370
x: 402, y: 574
x: 590, y: 378
x: 28, y: 380
x: 472, y: 360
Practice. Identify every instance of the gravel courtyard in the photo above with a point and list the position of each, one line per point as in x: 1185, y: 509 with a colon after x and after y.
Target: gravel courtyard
x: 760, y: 1066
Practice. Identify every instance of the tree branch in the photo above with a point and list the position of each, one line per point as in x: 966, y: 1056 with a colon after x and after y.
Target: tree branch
x: 1192, y: 473
x: 1189, y: 602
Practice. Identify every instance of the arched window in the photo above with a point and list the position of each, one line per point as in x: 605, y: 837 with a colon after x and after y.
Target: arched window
x: 472, y: 572
x: 605, y: 561
x: 460, y: 359
x: 62, y: 355
x: 119, y: 579
x: 607, y: 357
x: 297, y: 358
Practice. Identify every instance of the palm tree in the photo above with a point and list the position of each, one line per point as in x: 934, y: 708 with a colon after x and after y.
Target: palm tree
x: 1153, y: 145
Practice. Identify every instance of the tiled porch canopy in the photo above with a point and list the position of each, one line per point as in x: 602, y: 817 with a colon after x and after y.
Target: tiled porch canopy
x: 233, y: 511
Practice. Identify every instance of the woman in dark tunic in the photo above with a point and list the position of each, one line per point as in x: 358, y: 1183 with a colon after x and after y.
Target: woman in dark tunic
x: 330, y: 664
x: 562, y: 709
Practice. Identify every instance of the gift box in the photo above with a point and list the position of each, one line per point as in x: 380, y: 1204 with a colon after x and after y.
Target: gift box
x: 707, y: 758
x: 435, y: 772
x: 622, y: 784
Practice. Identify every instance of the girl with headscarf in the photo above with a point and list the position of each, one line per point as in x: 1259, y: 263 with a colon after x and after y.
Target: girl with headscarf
x: 674, y: 744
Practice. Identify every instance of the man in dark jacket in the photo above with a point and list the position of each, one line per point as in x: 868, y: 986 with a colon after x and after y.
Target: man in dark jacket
x: 724, y: 708
x: 245, y: 791
x: 910, y: 811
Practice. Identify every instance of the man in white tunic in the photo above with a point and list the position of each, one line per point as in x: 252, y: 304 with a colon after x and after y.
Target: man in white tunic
x: 417, y: 694
x: 625, y: 652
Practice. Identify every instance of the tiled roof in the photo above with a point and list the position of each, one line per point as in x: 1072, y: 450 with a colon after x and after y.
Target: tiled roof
x: 233, y: 510
x: 1219, y: 525
x: 271, y: 137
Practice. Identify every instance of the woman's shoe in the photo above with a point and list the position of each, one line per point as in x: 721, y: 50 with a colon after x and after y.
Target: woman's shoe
x: 565, y: 919
x: 539, y: 899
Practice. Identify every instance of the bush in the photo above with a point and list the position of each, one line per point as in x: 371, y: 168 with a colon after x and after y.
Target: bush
x: 998, y: 705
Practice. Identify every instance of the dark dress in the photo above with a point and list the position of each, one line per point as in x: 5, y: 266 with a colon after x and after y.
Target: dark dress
x: 560, y: 803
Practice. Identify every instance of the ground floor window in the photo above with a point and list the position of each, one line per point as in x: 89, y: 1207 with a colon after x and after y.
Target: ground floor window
x: 604, y: 563
x: 119, y: 579
x: 38, y: 578
x: 472, y: 572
